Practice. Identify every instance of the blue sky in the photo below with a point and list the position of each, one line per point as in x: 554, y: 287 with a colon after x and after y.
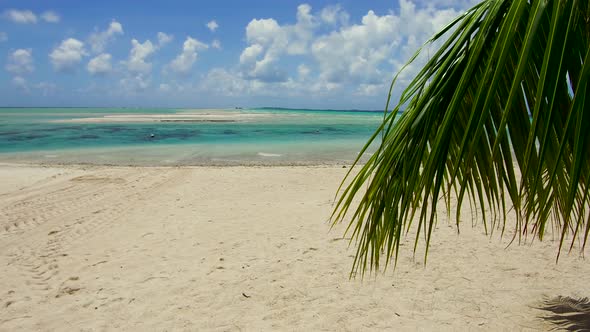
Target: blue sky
x: 314, y: 54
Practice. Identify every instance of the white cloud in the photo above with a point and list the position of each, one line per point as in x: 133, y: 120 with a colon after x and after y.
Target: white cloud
x: 99, y: 39
x: 212, y: 25
x: 28, y: 17
x: 460, y: 5
x: 266, y: 32
x: 227, y: 83
x: 302, y: 31
x: 334, y: 15
x: 137, y: 57
x: 100, y: 64
x: 46, y: 88
x: 135, y: 83
x: 303, y: 71
x: 319, y: 52
x: 67, y: 55
x: 20, y: 83
x: 175, y: 88
x: 51, y: 17
x: 345, y: 57
x: 20, y: 16
x: 222, y: 82
x: 183, y: 63
x: 164, y: 87
x: 268, y: 41
x: 20, y: 62
x: 3, y: 36
x: 366, y: 51
x: 138, y: 76
x: 251, y: 53
x: 360, y: 49
x: 164, y: 39
x: 370, y: 89
x: 265, y: 69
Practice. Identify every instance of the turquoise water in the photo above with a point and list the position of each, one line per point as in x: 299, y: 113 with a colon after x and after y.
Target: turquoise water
x: 183, y: 137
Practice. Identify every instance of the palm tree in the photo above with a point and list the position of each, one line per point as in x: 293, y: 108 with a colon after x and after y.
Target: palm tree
x: 499, y: 116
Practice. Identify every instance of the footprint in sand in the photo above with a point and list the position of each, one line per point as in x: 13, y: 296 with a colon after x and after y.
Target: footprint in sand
x: 69, y: 289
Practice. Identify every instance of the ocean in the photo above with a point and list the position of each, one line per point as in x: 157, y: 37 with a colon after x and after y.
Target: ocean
x: 145, y: 136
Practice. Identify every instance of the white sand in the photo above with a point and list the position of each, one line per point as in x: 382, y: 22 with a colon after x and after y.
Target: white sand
x: 240, y: 248
x: 204, y: 116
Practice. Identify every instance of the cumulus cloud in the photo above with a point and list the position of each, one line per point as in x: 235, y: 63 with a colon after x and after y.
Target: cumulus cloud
x: 43, y: 88
x: 340, y: 55
x: 100, y: 65
x: 20, y: 16
x: 28, y: 17
x: 139, y: 68
x: 319, y: 52
x: 369, y: 90
x: 175, y: 87
x: 20, y: 62
x: 20, y: 83
x: 251, y: 53
x: 135, y: 83
x: 302, y: 31
x: 67, y: 55
x: 99, y: 39
x: 51, y: 17
x: 303, y: 71
x: 212, y: 25
x: 366, y: 51
x: 46, y: 88
x: 164, y: 87
x: 138, y: 55
x: 265, y: 69
x: 268, y: 41
x: 460, y: 5
x: 164, y: 39
x: 221, y: 81
x: 360, y: 49
x: 334, y: 15
x: 227, y: 83
x: 183, y: 63
x: 3, y: 36
x: 266, y: 32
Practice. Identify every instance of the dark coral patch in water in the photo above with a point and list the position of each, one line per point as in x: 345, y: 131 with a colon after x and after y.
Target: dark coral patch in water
x: 88, y: 136
x: 311, y: 132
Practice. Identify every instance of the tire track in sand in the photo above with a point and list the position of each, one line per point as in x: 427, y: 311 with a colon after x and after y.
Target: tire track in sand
x: 38, y: 206
x: 38, y: 260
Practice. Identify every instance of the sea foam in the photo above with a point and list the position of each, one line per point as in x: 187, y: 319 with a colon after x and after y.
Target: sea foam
x: 264, y: 154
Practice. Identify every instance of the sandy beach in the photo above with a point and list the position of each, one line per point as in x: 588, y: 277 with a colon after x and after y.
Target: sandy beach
x: 244, y: 249
x: 205, y: 115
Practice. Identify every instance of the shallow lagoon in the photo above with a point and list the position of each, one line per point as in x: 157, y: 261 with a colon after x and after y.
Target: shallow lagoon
x: 183, y: 137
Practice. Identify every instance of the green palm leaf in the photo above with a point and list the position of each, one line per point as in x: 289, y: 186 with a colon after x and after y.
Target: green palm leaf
x: 507, y: 90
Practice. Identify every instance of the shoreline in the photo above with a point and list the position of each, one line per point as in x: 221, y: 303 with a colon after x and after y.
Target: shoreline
x: 196, y: 165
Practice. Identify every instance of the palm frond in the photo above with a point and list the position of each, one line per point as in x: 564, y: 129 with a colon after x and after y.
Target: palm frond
x: 506, y: 91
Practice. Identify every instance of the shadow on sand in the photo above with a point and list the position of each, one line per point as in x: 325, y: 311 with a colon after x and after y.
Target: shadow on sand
x: 567, y: 313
